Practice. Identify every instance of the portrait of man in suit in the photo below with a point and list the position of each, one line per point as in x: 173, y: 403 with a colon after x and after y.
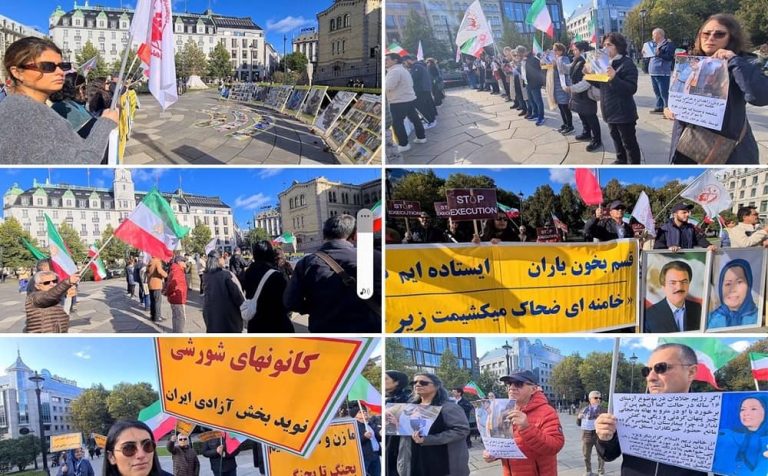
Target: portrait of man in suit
x: 674, y: 313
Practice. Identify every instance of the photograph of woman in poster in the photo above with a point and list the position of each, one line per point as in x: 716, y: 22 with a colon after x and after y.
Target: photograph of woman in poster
x: 738, y: 278
x: 742, y: 445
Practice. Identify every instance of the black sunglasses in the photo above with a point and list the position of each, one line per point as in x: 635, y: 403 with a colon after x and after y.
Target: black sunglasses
x: 421, y: 383
x: 717, y: 34
x: 516, y: 384
x: 597, y: 398
x: 130, y: 448
x: 661, y: 368
x: 52, y: 281
x: 48, y: 66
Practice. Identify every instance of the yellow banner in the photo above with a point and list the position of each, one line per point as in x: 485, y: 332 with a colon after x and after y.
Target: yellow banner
x: 210, y: 435
x: 184, y: 427
x: 234, y: 384
x: 67, y: 441
x: 601, y: 78
x: 337, y: 452
x: 123, y: 128
x: 538, y: 287
x: 100, y: 440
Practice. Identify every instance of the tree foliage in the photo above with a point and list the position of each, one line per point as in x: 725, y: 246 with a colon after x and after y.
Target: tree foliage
x: 296, y: 61
x: 737, y: 374
x: 255, y: 235
x: 449, y: 371
x: 73, y: 242
x: 90, y: 412
x: 88, y: 52
x: 190, y: 60
x: 219, y: 62
x: 115, y: 250
x: 196, y: 240
x: 115, y: 68
x: 372, y: 373
x: 565, y: 379
x: 13, y: 252
x: 417, y: 29
x: 489, y: 383
x: 18, y: 452
x: 398, y: 358
x: 127, y: 399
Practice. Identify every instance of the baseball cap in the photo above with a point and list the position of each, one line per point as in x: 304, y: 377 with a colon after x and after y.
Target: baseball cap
x: 617, y: 204
x: 523, y: 376
x: 682, y: 206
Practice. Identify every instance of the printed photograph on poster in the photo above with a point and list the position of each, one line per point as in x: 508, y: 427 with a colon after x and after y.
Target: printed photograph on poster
x: 742, y: 441
x: 495, y: 428
x: 698, y: 90
x: 736, y: 285
x: 675, y: 286
x: 404, y: 419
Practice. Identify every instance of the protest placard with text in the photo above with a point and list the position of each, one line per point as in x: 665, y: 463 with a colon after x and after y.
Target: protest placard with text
x: 471, y: 203
x: 67, y: 441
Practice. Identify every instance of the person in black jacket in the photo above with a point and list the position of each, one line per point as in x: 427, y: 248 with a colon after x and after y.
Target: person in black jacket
x: 617, y: 102
x: 271, y: 315
x: 674, y: 313
x: 678, y: 234
x: 396, y: 386
x: 458, y: 394
x: 534, y: 78
x: 497, y: 230
x: 721, y: 37
x: 424, y: 231
x: 581, y: 103
x: 422, y: 86
x: 457, y: 232
x: 606, y: 229
x: 236, y: 263
x: 222, y: 462
x: 223, y: 297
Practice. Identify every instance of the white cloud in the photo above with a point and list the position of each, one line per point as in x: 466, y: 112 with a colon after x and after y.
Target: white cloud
x: 252, y: 202
x: 83, y: 354
x: 563, y: 176
x: 148, y: 175
x: 288, y: 24
x: 664, y: 179
x: 648, y: 343
x: 267, y: 173
x: 740, y: 345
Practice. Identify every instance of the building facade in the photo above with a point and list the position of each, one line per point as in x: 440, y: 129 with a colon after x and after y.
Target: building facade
x: 748, y: 188
x: 270, y: 221
x: 603, y: 17
x: 10, y: 31
x: 515, y: 11
x: 18, y: 402
x: 306, y: 44
x: 425, y: 353
x: 89, y: 209
x: 397, y: 17
x: 107, y: 29
x: 305, y: 206
x: 523, y: 354
x: 348, y: 40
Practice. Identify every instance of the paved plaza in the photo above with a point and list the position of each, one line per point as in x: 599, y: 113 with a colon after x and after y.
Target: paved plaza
x: 475, y: 128
x: 202, y: 129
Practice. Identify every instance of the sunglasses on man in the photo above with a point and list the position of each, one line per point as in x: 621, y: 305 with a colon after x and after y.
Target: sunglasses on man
x: 50, y: 281
x: 48, y: 66
x: 661, y: 368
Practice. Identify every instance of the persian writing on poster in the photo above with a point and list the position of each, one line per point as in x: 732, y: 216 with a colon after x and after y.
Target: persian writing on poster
x: 698, y: 90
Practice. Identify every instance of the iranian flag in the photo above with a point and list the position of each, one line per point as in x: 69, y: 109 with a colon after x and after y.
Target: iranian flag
x: 34, y: 250
x: 152, y: 227
x: 97, y: 265
x: 61, y: 261
x: 395, y: 48
x: 474, y: 33
x: 538, y: 16
x: 509, y: 211
x: 711, y: 354
x: 472, y: 388
x: 593, y: 29
x: 376, y: 212
x: 759, y: 363
x: 288, y: 238
x: 365, y: 393
x: 152, y: 31
x: 588, y: 187
x: 157, y: 420
x: 537, y: 49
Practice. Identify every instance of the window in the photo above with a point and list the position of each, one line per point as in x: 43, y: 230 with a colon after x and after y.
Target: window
x: 333, y: 24
x: 290, y: 203
x: 741, y: 194
x: 346, y: 20
x: 302, y: 200
x: 753, y: 192
x: 754, y: 180
x: 39, y: 202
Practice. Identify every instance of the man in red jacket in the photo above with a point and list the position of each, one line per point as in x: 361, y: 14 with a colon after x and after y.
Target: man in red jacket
x: 535, y: 428
x: 176, y: 292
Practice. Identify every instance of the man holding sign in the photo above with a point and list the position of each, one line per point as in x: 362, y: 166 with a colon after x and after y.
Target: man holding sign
x: 586, y: 420
x: 671, y: 369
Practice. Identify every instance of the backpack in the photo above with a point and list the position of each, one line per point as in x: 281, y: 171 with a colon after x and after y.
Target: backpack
x: 248, y: 307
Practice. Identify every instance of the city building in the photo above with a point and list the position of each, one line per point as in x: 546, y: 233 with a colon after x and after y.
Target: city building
x: 397, y: 17
x: 523, y: 354
x: 18, y: 402
x: 515, y: 12
x: 608, y: 15
x: 269, y: 220
x: 107, y: 29
x: 305, y: 206
x: 272, y: 58
x: 306, y: 44
x: 10, y: 31
x: 90, y: 209
x: 425, y: 353
x: 748, y: 188
x: 348, y: 43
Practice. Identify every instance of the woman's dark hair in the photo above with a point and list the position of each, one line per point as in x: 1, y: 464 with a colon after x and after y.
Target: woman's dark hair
x: 25, y: 51
x: 736, y: 39
x: 489, y: 229
x: 212, y: 263
x: 559, y: 47
x: 395, y: 57
x: 115, y: 431
x: 618, y: 40
x: 72, y: 82
x: 399, y: 377
x: 582, y: 46
x: 441, y: 394
x: 263, y: 252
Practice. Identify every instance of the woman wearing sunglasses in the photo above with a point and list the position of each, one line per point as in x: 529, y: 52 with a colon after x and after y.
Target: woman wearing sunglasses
x: 443, y: 450
x: 721, y: 37
x: 30, y: 131
x: 130, y: 451
x: 740, y: 450
x: 497, y: 230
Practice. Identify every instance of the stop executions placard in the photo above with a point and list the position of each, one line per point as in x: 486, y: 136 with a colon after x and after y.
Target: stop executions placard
x: 471, y: 203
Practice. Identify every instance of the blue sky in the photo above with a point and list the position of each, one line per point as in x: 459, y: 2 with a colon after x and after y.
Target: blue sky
x: 245, y: 190
x: 527, y: 180
x: 277, y: 18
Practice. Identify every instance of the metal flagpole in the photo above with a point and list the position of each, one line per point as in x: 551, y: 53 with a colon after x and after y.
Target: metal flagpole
x: 614, y: 371
x: 119, y: 84
x: 683, y: 191
x: 94, y: 257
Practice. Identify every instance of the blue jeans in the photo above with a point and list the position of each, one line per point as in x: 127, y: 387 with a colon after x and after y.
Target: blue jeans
x: 537, y: 103
x: 472, y: 79
x: 661, y: 90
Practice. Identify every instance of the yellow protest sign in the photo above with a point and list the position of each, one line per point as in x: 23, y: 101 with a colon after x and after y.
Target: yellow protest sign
x: 67, y: 441
x: 184, y: 427
x: 337, y: 452
x: 210, y: 435
x: 100, y: 440
x: 518, y: 287
x: 123, y: 128
x: 230, y: 384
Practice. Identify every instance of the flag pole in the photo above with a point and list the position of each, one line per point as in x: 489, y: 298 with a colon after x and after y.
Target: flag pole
x: 614, y: 371
x: 682, y: 191
x: 119, y: 84
x: 96, y: 256
x: 757, y: 386
x: 130, y: 72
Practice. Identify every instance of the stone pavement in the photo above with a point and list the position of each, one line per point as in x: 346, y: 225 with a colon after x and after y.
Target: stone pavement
x: 475, y: 128
x: 104, y: 307
x: 197, y: 130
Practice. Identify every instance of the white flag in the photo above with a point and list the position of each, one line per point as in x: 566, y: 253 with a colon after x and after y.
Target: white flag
x: 420, y: 53
x: 211, y: 245
x: 474, y: 27
x: 153, y: 26
x: 708, y: 192
x: 642, y: 212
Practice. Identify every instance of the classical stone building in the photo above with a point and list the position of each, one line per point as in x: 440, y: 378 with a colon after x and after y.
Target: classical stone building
x: 270, y: 221
x: 748, y: 188
x: 10, y: 31
x: 107, y: 29
x: 89, y: 209
x: 305, y: 206
x: 348, y: 39
x: 306, y: 43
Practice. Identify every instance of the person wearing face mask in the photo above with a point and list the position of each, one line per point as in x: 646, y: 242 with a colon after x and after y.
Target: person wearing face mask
x: 33, y: 133
x: 185, y: 462
x: 131, y: 451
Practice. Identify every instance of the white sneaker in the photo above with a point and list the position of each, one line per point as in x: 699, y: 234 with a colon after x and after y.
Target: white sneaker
x: 430, y: 125
x: 403, y: 148
x: 420, y: 141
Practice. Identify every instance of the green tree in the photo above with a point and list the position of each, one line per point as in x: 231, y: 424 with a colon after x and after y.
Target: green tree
x: 90, y: 413
x: 372, y: 373
x: 450, y: 372
x: 571, y: 208
x: 490, y: 383
x: 417, y: 29
x: 398, y: 358
x: 13, y: 252
x: 296, y: 61
x: 565, y: 379
x: 512, y: 37
x: 255, y: 235
x: 190, y: 60
x: 196, y: 240
x: 115, y: 250
x: 595, y: 372
x: 126, y: 400
x: 753, y: 15
x: 219, y: 62
x: 115, y: 67
x: 539, y: 206
x: 423, y: 187
x: 737, y: 374
x: 72, y: 241
x: 18, y: 452
x: 88, y: 52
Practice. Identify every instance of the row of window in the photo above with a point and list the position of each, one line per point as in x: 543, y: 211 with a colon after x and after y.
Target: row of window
x: 297, y: 202
x: 91, y: 204
x: 340, y: 22
x: 338, y: 47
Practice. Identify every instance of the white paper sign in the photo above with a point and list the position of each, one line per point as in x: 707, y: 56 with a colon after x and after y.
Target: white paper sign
x: 698, y: 90
x: 494, y: 428
x: 649, y: 49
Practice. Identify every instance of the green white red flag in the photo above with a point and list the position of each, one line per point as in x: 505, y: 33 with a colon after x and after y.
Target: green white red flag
x: 395, y: 48
x: 152, y: 227
x: 472, y: 388
x: 711, y: 354
x: 538, y: 16
x: 61, y: 260
x: 759, y: 364
x: 509, y: 211
x: 157, y: 420
x: 97, y: 265
x: 365, y: 393
x: 474, y: 33
x: 376, y: 212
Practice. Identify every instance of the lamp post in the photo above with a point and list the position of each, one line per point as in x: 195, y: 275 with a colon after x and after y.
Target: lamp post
x: 521, y: 195
x: 377, y: 59
x: 285, y: 66
x: 643, y: 14
x: 633, y: 359
x: 38, y: 379
x: 507, y: 348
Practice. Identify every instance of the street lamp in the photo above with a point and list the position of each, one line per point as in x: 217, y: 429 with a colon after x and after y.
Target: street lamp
x: 643, y: 14
x: 521, y: 195
x: 377, y: 59
x: 507, y: 348
x: 38, y: 379
x: 632, y: 373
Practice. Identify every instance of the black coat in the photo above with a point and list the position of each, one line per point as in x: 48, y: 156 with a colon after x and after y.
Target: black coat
x: 605, y: 229
x: 636, y: 466
x: 580, y: 102
x: 333, y: 306
x: 685, y: 237
x: 219, y: 465
x: 221, y: 302
x: 271, y: 315
x: 422, y: 80
x: 534, y: 76
x: 659, y: 317
x: 393, y: 442
x: 616, y: 96
x: 747, y: 85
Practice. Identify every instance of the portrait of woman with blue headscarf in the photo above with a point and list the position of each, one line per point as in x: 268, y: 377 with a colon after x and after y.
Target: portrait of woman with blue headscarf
x: 741, y: 450
x: 737, y: 308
